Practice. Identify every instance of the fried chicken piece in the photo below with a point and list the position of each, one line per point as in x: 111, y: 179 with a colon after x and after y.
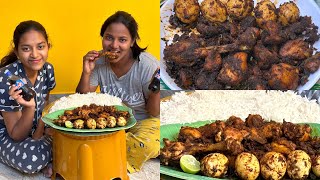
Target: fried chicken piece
x: 304, y: 29
x: 109, y: 54
x: 272, y: 34
x: 248, y: 21
x: 206, y: 80
x: 255, y: 135
x: 172, y: 151
x: 248, y: 39
x: 256, y: 82
x: 209, y: 131
x: 189, y: 134
x: 233, y: 133
x: 296, y: 132
x: 254, y: 120
x: 104, y: 115
x: 84, y: 113
x: 212, y: 62
x: 183, y: 52
x: 245, y: 42
x: 283, y: 76
x: 295, y: 50
x: 186, y: 78
x: 271, y: 130
x: 283, y: 146
x: 234, y: 69
x: 312, y: 64
x: 235, y: 122
x: 209, y: 29
x: 264, y: 56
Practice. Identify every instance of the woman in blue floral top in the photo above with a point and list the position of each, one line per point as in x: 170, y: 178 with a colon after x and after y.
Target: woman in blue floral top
x: 23, y: 144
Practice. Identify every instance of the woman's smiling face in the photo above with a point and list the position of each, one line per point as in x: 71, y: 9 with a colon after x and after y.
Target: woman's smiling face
x: 32, y: 50
x: 117, y: 38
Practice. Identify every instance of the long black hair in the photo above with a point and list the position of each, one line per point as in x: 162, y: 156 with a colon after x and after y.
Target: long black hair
x: 22, y: 28
x: 127, y: 20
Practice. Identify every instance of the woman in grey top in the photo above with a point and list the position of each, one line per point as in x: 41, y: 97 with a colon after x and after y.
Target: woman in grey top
x: 126, y: 74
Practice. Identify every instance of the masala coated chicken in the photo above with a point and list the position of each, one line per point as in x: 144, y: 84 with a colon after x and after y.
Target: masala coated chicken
x: 283, y: 76
x: 234, y: 69
x: 278, y: 43
x: 234, y: 136
x: 109, y: 54
x: 188, y: 51
x: 295, y: 50
x: 93, y: 116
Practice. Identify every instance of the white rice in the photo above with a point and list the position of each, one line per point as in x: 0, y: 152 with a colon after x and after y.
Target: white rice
x: 77, y: 100
x: 220, y: 105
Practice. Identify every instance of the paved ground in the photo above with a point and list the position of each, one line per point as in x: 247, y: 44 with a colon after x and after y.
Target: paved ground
x: 150, y: 171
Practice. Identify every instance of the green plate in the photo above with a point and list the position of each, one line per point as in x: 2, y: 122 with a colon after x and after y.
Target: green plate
x: 171, y: 131
x: 49, y: 118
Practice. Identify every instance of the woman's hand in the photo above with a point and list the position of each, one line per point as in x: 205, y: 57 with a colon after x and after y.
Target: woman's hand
x: 18, y: 98
x: 89, y: 61
x: 39, y: 131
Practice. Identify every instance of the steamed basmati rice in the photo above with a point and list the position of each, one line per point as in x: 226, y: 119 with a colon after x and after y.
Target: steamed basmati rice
x: 77, y: 100
x: 220, y: 105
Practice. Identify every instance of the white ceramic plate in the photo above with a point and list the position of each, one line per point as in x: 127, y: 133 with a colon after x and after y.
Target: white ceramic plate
x: 306, y: 7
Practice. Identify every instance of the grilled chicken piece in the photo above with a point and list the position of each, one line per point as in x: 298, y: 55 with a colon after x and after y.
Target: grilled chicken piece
x: 189, y: 134
x: 172, y: 151
x: 265, y: 57
x: 234, y: 69
x: 296, y: 132
x: 295, y: 50
x: 312, y: 64
x: 283, y: 146
x: 109, y: 55
x: 283, y: 76
x: 272, y: 34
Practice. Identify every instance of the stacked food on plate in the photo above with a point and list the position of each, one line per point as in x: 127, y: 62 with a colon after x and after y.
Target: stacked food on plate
x: 247, y: 149
x: 269, y: 145
x: 92, y: 117
x: 236, y: 45
x: 91, y: 112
